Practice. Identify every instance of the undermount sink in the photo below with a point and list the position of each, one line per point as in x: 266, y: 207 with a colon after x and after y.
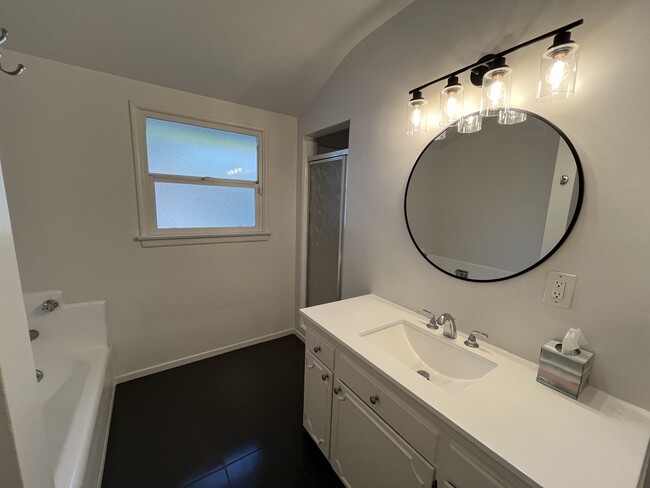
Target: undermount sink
x: 445, y: 363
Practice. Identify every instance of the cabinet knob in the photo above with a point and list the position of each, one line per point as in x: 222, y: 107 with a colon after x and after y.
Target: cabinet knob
x: 316, y: 349
x: 374, y: 399
x: 325, y: 376
x: 337, y: 389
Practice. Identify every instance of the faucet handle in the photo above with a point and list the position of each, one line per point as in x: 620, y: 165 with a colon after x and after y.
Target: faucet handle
x: 471, y: 339
x: 432, y: 320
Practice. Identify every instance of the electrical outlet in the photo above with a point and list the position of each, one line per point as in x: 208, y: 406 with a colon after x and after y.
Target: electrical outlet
x: 559, y: 289
x: 557, y: 293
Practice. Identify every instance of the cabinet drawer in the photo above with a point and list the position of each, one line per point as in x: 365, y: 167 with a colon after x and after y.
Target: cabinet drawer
x: 415, y: 428
x: 320, y: 348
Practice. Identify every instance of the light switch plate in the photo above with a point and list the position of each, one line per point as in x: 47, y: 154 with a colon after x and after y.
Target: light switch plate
x: 559, y: 289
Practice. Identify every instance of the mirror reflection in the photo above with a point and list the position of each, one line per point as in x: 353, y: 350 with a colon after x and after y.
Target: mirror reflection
x: 492, y: 204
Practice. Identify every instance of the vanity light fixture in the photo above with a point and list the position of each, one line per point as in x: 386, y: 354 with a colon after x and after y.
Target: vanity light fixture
x: 497, y: 85
x: 558, y: 72
x: 416, y: 117
x: 558, y: 69
x: 451, y: 101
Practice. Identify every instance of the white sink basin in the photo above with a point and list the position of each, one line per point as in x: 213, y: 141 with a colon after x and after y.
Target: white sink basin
x: 447, y: 364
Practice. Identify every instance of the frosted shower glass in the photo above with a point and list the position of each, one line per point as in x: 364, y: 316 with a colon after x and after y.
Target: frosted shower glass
x: 182, y: 149
x: 186, y: 206
x: 324, y: 232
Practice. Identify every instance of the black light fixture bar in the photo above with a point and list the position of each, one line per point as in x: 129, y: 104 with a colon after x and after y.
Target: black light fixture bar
x: 492, y: 57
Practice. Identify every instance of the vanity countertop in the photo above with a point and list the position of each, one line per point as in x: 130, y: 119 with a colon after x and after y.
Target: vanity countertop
x: 555, y: 441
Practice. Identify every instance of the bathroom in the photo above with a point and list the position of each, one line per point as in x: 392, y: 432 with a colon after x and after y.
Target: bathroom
x: 68, y: 158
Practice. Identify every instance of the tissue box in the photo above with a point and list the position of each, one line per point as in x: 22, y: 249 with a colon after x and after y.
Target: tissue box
x: 564, y: 373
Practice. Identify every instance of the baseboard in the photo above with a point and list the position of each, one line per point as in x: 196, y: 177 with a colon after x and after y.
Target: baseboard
x: 198, y: 357
x: 299, y: 334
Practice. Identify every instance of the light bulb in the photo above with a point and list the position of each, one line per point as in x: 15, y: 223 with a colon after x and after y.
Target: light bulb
x: 557, y: 73
x: 495, y: 92
x: 416, y: 117
x: 452, y: 105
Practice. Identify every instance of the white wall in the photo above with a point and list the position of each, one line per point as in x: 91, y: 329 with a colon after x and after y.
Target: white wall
x: 606, y: 120
x: 23, y: 450
x: 65, y: 141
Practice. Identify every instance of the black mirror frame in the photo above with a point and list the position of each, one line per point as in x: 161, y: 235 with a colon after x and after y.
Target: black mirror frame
x: 581, y: 189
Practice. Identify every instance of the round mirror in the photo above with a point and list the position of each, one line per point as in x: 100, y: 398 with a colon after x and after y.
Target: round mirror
x: 493, y: 204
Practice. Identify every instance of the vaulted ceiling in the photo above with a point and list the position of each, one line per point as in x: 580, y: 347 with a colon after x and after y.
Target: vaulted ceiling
x: 270, y: 54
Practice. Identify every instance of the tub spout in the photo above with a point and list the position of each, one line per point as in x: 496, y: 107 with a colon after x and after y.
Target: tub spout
x: 33, y: 334
x: 39, y: 375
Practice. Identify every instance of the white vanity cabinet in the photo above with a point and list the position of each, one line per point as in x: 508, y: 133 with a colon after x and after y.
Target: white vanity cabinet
x: 366, y: 451
x: 374, y: 436
x: 454, y: 425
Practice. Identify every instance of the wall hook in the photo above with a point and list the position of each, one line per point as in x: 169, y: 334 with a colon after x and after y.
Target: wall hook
x: 21, y: 67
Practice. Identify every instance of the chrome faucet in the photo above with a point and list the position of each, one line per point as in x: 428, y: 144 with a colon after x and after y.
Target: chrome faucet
x: 33, y: 334
x: 449, y: 325
x: 49, y: 305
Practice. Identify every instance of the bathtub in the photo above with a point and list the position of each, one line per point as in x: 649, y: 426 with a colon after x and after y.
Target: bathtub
x: 77, y: 387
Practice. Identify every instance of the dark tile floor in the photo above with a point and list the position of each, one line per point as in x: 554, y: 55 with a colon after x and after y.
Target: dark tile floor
x: 234, y: 420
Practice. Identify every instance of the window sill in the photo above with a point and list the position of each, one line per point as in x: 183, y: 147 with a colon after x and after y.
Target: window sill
x: 190, y: 240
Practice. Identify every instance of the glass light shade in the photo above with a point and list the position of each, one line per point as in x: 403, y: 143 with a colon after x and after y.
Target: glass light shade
x: 496, y: 91
x: 469, y: 124
x: 451, y: 104
x: 416, y: 116
x: 558, y: 71
x: 511, y: 117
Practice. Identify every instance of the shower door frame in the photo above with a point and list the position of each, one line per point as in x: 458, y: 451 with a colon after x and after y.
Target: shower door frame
x: 316, y: 159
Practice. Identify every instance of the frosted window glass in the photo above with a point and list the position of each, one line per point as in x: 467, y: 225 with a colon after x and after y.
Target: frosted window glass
x: 180, y: 205
x: 182, y: 149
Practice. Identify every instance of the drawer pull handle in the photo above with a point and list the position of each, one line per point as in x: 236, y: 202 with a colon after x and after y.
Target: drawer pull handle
x: 374, y: 399
x: 337, y: 389
x: 325, y: 376
x: 317, y: 349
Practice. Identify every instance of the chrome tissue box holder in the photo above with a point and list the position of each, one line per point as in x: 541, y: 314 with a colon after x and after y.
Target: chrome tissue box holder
x: 565, y: 373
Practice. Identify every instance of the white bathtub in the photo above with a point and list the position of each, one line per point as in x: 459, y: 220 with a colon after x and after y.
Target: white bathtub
x: 77, y: 387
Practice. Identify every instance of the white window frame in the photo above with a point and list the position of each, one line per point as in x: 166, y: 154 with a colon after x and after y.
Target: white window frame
x: 150, y: 234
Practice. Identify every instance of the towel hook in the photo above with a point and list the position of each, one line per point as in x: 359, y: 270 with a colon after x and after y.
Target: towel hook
x: 21, y: 67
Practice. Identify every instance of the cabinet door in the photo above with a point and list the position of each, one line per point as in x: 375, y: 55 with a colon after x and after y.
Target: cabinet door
x: 317, y: 412
x: 464, y: 471
x: 366, y: 452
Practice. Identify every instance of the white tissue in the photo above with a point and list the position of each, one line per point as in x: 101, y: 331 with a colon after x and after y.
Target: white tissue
x: 573, y: 340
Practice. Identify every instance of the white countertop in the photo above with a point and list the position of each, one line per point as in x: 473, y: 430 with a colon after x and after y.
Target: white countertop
x: 558, y: 442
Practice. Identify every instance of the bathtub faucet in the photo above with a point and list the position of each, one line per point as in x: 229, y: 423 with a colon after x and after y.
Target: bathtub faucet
x: 49, y: 305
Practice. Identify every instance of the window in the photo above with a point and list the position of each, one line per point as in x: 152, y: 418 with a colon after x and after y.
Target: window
x: 198, y: 181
